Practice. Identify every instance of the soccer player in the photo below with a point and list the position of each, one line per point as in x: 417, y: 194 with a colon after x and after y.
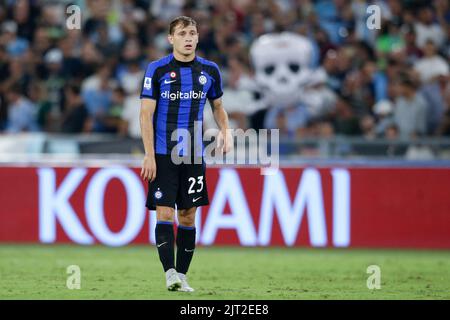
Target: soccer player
x: 174, y: 92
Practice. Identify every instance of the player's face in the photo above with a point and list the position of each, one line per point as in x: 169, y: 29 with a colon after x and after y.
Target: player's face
x: 184, y: 39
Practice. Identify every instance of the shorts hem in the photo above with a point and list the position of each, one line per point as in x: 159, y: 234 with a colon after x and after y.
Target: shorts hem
x: 153, y: 207
x: 193, y: 205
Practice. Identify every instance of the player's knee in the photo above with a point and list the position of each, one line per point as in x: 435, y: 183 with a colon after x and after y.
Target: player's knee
x: 165, y: 214
x: 186, y: 221
x: 187, y: 218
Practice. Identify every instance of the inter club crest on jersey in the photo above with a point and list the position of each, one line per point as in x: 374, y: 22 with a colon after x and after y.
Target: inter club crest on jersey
x: 173, y: 74
x: 202, y: 79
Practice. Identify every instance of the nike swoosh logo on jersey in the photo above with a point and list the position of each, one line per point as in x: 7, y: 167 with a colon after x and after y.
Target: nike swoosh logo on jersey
x: 169, y: 81
x: 195, y: 199
x: 188, y: 250
x: 159, y: 245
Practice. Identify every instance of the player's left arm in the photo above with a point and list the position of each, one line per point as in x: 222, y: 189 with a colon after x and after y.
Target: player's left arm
x: 215, y: 92
x: 221, y: 118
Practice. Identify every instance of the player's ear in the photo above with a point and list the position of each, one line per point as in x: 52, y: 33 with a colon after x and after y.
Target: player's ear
x: 170, y: 38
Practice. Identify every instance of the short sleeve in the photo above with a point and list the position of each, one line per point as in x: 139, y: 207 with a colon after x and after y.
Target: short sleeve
x: 150, y: 84
x: 215, y: 91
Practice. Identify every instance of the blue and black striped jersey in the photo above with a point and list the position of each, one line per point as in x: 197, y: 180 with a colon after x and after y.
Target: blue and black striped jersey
x: 181, y: 90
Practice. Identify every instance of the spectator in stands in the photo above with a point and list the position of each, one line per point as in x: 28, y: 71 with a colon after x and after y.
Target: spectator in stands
x: 15, y: 45
x: 16, y: 74
x: 337, y: 64
x: 71, y: 62
x: 367, y: 124
x: 359, y: 87
x: 96, y: 92
x: 413, y: 52
x: 54, y: 81
x: 41, y: 44
x: 75, y: 118
x: 391, y: 132
x: 436, y: 93
x: 131, y: 77
x: 291, y: 121
x: 113, y: 119
x: 431, y: 64
x: 39, y: 95
x: 428, y: 29
x: 91, y: 58
x: 104, y: 44
x: 25, y: 13
x: 21, y: 111
x: 130, y: 69
x: 410, y: 109
x: 131, y: 126
x: 383, y: 111
x: 389, y: 40
x: 344, y: 120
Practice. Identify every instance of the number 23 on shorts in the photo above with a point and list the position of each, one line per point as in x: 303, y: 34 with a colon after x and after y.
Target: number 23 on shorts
x: 193, y: 182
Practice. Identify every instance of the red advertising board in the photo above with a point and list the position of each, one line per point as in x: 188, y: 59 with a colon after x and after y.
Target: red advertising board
x: 293, y: 206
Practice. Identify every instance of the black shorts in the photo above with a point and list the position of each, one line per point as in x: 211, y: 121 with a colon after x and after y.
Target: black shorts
x: 181, y: 184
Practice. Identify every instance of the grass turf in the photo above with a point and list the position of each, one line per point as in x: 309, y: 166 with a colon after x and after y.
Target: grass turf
x: 134, y: 272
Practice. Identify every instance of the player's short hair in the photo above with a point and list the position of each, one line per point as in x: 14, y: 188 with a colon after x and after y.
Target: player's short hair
x: 183, y: 20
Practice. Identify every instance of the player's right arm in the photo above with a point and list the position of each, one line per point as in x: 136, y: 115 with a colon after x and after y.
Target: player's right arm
x: 149, y: 94
x: 148, y: 107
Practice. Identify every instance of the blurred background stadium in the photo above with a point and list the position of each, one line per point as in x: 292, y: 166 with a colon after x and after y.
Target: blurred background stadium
x: 367, y: 144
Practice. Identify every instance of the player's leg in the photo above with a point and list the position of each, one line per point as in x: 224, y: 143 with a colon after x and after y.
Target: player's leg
x: 185, y: 244
x: 165, y: 242
x: 164, y: 236
x: 192, y: 193
x: 161, y: 197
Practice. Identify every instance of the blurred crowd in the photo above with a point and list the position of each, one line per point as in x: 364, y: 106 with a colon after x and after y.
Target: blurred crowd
x: 388, y: 83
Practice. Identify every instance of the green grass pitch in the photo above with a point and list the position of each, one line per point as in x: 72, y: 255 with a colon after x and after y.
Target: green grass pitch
x: 134, y: 272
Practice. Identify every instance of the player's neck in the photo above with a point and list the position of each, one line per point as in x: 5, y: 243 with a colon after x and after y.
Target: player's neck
x: 183, y: 58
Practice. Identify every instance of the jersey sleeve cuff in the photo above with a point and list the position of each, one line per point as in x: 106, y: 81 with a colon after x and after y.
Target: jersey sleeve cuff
x: 144, y: 96
x: 217, y: 97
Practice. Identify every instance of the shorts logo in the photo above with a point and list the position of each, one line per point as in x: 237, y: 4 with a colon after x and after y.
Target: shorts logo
x: 173, y: 74
x: 147, y: 83
x: 158, y: 194
x: 202, y: 79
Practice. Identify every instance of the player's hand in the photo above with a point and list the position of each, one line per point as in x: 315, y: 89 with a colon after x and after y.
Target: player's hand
x: 225, y: 140
x: 148, y: 171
